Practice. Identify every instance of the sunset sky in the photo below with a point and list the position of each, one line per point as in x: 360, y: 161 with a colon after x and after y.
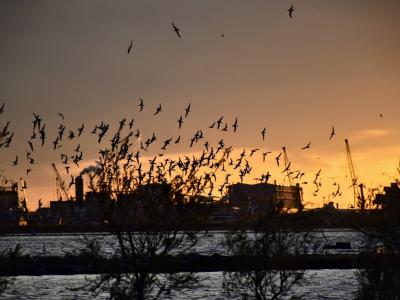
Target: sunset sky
x: 335, y: 63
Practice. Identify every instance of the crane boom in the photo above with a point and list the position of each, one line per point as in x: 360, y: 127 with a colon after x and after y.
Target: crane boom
x: 60, y: 183
x: 23, y: 203
x: 286, y: 162
x: 359, y: 199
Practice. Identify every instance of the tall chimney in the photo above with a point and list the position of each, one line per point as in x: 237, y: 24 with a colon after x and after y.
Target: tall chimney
x: 79, y: 188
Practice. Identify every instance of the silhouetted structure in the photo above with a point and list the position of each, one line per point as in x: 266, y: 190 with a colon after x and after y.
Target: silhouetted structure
x: 264, y: 197
x: 79, y: 189
x: 390, y: 199
x: 8, y: 198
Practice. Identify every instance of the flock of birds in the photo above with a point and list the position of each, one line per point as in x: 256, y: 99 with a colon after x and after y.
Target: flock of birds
x: 217, y: 164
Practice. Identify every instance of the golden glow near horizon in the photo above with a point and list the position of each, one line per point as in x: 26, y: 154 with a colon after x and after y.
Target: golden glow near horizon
x: 332, y: 64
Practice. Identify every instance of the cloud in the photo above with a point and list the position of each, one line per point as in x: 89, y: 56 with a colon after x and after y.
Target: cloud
x: 375, y: 133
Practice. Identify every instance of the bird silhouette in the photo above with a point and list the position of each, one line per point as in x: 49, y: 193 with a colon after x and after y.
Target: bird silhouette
x: 332, y: 133
x: 130, y: 47
x: 219, y: 122
x: 71, y: 135
x: 180, y: 121
x: 55, y: 143
x: 290, y: 11
x: 36, y: 122
x: 287, y: 167
x: 187, y: 110
x: 61, y: 115
x: 277, y: 158
x: 306, y: 146
x: 141, y: 104
x: 263, y: 132
x: 30, y: 145
x: 166, y: 143
x: 264, y: 155
x: 235, y: 125
x: 131, y: 123
x: 158, y: 110
x: 2, y: 108
x: 15, y: 162
x: 253, y: 151
x: 42, y: 134
x: 177, y: 30
x: 80, y: 130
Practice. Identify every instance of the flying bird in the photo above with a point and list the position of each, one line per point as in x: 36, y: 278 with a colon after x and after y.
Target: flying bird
x: 166, y: 143
x: 177, y: 30
x: 131, y: 123
x: 158, y: 110
x: 290, y: 11
x: 306, y: 146
x: 219, y: 122
x: 130, y: 47
x: 235, y: 125
x: 80, y: 129
x: 180, y: 122
x: 332, y: 133
x: 141, y: 104
x: 263, y: 132
x: 30, y: 145
x: 187, y: 110
x: 277, y: 158
x: 253, y: 151
x: 61, y: 115
x: 15, y: 162
x: 287, y: 168
x: 2, y: 108
x: 380, y: 115
x: 265, y: 155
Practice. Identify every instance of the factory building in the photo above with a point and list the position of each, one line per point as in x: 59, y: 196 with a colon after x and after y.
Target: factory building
x: 9, y: 198
x: 390, y: 199
x: 259, y: 198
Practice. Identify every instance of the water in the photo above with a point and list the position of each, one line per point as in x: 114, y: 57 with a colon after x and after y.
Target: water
x: 321, y: 284
x: 208, y: 244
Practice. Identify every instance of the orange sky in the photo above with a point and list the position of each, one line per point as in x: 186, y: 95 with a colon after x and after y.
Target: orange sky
x: 335, y: 63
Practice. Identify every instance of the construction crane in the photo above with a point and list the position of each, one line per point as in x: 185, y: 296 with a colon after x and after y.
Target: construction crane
x: 62, y: 191
x: 296, y: 191
x: 23, y: 202
x: 286, y: 162
x: 358, y: 189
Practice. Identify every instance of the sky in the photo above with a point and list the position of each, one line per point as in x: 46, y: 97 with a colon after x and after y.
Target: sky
x: 335, y: 63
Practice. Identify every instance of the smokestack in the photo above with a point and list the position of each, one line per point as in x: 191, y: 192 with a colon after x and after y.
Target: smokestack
x: 79, y: 188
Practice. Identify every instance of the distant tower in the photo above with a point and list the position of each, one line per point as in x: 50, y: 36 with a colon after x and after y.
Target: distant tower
x: 79, y: 188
